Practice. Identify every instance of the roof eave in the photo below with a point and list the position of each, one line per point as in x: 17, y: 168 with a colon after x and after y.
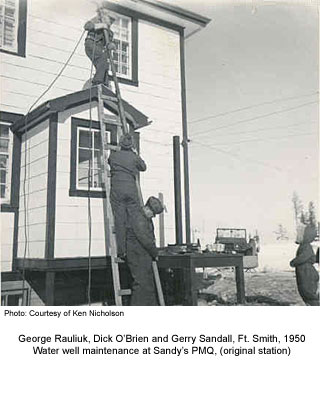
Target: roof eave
x: 179, y: 12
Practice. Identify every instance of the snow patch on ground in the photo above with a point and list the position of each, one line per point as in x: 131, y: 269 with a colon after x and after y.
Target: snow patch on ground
x: 277, y: 256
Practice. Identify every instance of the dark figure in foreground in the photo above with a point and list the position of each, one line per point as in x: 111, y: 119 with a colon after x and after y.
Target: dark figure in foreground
x: 125, y: 166
x: 306, y: 275
x: 141, y: 251
x: 96, y: 45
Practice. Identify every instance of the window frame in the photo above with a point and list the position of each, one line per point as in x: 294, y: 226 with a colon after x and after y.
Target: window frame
x: 92, y: 150
x: 8, y: 183
x: 12, y: 204
x: 129, y: 42
x: 76, y: 125
x: 21, y: 31
x: 23, y: 293
x: 133, y: 80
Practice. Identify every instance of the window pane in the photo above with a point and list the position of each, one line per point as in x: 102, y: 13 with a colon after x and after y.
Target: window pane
x: 3, y: 176
x: 83, y: 174
x: 3, y: 161
x: 97, y: 141
x: 125, y: 23
x: 84, y: 158
x: 3, y: 191
x: 125, y: 36
x: 125, y: 47
x: 124, y: 58
x: 4, y: 145
x: 97, y: 178
x: 97, y: 159
x: 85, y: 138
x: 4, y: 130
x: 14, y: 299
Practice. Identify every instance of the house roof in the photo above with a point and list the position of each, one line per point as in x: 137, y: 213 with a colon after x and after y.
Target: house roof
x: 133, y: 116
x: 179, y: 18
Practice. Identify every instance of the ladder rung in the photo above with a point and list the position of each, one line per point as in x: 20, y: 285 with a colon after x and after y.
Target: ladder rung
x: 108, y: 120
x: 125, y: 292
x: 112, y: 147
x: 110, y: 98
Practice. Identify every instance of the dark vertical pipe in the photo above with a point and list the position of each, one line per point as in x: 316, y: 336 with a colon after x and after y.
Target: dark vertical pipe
x: 177, y: 188
x: 185, y: 139
x: 161, y: 224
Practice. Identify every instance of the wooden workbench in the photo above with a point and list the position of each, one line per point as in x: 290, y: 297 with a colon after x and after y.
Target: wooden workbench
x: 188, y: 262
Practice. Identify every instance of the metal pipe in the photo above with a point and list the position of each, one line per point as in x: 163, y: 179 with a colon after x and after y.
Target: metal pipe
x: 177, y: 188
x: 185, y: 140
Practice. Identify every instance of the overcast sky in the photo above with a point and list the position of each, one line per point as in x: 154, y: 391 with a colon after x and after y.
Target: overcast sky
x: 252, y: 83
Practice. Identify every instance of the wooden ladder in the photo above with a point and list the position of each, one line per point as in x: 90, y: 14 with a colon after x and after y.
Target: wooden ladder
x: 111, y: 244
x: 109, y: 230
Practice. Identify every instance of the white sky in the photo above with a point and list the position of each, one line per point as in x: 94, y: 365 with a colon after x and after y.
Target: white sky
x: 263, y: 58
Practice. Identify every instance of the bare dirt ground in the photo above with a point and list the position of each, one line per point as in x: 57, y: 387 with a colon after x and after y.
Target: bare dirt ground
x: 277, y: 288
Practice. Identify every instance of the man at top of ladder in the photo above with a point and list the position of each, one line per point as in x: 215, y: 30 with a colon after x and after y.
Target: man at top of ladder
x: 125, y: 165
x: 95, y: 44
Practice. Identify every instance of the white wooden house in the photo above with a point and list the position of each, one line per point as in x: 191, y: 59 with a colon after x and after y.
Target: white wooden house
x: 44, y: 156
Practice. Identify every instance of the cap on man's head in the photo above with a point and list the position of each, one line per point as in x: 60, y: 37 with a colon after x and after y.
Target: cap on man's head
x: 103, y: 7
x: 126, y: 142
x: 155, y: 205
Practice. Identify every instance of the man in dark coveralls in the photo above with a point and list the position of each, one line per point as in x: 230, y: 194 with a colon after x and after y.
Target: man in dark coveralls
x: 125, y: 165
x: 141, y: 251
x: 96, y: 45
x: 306, y: 275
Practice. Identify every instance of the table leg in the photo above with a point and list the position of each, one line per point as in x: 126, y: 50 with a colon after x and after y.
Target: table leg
x: 191, y: 293
x: 50, y: 279
x: 241, y: 297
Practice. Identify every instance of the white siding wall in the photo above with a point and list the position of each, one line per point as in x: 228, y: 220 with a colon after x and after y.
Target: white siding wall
x: 159, y: 97
x: 72, y: 232
x: 33, y: 191
x: 52, y: 32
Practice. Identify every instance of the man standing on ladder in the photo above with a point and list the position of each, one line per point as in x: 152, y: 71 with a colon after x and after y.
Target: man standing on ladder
x: 125, y: 166
x: 142, y: 251
x: 95, y: 44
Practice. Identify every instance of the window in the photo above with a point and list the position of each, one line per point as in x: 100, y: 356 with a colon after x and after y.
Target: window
x: 125, y: 56
x: 15, y: 297
x: 5, y: 161
x: 122, y: 38
x: 13, y: 26
x: 88, y: 159
x: 85, y: 159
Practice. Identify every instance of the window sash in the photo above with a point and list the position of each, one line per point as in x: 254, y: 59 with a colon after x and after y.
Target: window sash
x: 92, y: 150
x: 122, y: 29
x: 9, y: 23
x: 5, y: 171
x: 19, y: 296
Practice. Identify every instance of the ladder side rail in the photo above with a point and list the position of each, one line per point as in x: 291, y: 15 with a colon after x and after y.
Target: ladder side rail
x: 110, y: 241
